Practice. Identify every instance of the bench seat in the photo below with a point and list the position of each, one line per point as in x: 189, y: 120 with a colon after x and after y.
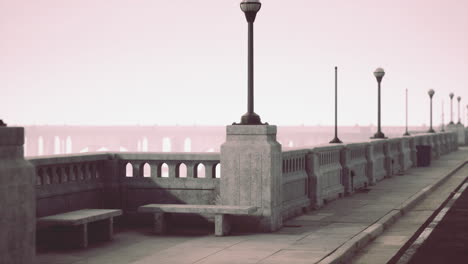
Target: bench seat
x: 221, y: 212
x: 81, y: 218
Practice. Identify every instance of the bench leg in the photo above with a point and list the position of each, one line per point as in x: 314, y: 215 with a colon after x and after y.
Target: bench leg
x: 84, y: 235
x: 159, y: 226
x: 110, y: 233
x: 222, y: 225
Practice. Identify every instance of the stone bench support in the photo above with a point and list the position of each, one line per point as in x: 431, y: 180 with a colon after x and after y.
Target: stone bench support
x: 221, y: 212
x: 82, y: 218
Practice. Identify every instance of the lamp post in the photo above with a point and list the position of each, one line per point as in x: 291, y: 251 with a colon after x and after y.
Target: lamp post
x: 379, y: 74
x: 250, y: 8
x: 451, y: 108
x: 336, y: 139
x: 406, y: 122
x: 442, y: 129
x: 459, y: 118
x: 431, y: 94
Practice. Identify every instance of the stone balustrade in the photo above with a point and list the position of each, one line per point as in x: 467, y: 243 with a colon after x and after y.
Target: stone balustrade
x: 310, y: 177
x: 295, y: 182
x: 189, y: 178
x: 394, y: 161
x: 378, y: 160
x: 355, y: 166
x: 326, y: 174
x: 69, y: 182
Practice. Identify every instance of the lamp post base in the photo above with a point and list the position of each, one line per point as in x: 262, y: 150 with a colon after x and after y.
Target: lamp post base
x: 336, y: 140
x: 451, y: 123
x: 406, y: 134
x: 431, y: 131
x: 250, y: 119
x: 379, y: 134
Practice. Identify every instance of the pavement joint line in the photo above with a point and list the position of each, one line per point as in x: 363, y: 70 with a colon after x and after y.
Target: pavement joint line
x: 346, y: 250
x: 406, y: 257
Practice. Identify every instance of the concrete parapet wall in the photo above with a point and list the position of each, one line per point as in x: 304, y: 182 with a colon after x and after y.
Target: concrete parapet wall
x: 66, y: 183
x: 326, y: 178
x: 295, y: 183
x: 355, y: 166
x: 302, y: 178
x: 395, y: 163
x: 378, y: 160
x: 406, y: 157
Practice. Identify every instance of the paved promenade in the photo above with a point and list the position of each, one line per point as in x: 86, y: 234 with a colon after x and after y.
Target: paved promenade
x: 332, y: 233
x: 384, y: 248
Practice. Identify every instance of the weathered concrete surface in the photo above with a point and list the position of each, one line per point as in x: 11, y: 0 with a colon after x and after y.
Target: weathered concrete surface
x: 341, y: 226
x: 460, y: 130
x: 251, y: 173
x: 17, y: 199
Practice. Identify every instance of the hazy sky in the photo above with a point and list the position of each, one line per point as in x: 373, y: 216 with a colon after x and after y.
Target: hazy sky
x: 115, y: 62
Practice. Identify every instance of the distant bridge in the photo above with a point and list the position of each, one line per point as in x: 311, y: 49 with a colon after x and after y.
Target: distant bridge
x: 48, y: 140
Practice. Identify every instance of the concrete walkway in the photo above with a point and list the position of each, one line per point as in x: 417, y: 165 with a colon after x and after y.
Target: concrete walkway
x: 389, y: 243
x: 333, y: 233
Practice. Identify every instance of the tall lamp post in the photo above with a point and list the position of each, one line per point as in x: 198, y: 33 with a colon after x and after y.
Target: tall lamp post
x: 250, y: 8
x: 443, y: 129
x: 406, y: 122
x: 451, y: 108
x: 431, y: 94
x: 459, y: 118
x: 379, y: 74
x: 336, y: 139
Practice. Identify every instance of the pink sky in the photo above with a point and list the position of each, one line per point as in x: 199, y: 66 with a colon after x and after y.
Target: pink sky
x: 114, y: 62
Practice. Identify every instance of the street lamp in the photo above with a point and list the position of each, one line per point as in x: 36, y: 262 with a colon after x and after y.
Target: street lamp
x: 406, y: 123
x: 451, y: 108
x: 466, y: 121
x: 250, y: 8
x: 379, y: 74
x: 459, y: 119
x: 443, y: 114
x: 336, y: 139
x: 431, y: 94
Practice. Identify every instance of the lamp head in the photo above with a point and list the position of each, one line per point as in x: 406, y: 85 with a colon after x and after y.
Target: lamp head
x: 431, y: 92
x: 379, y: 74
x: 451, y: 95
x: 250, y: 8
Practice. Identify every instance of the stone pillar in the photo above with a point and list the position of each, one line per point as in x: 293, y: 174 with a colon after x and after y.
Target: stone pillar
x: 345, y: 157
x: 461, y: 134
x: 251, y: 163
x: 414, y: 159
x: 456, y: 128
x: 17, y: 199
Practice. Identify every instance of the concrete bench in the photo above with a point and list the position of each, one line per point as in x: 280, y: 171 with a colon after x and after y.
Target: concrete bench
x: 82, y: 218
x: 221, y: 212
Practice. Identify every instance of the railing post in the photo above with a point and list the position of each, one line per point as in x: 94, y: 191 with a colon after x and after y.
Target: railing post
x: 112, y: 175
x: 17, y: 199
x: 345, y: 158
x: 251, y: 173
x: 313, y: 171
x: 370, y: 164
x: 388, y: 166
